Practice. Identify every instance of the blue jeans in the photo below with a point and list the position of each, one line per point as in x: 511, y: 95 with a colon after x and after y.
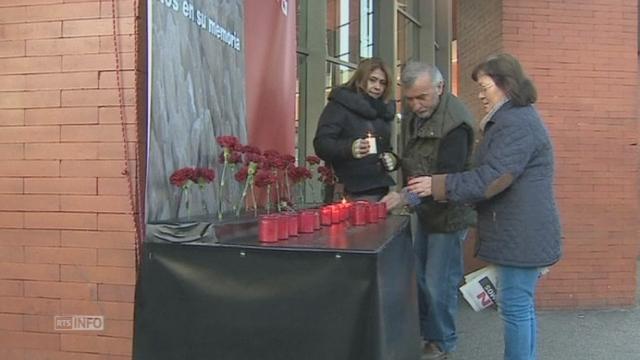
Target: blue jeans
x: 516, y: 295
x: 439, y: 268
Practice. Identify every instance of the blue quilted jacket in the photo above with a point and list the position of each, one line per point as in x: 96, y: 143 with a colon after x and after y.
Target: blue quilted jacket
x: 511, y: 185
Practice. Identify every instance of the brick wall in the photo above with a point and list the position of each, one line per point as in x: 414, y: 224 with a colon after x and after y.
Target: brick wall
x: 583, y: 59
x: 66, y: 233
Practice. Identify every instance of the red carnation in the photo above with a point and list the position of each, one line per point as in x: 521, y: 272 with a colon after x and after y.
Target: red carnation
x: 253, y: 158
x: 289, y: 159
x: 326, y: 175
x: 264, y: 178
x: 313, y: 160
x: 181, y: 177
x: 278, y: 163
x: 204, y: 175
x: 249, y: 149
x: 241, y: 175
x: 271, y: 153
x: 299, y: 173
x: 229, y: 142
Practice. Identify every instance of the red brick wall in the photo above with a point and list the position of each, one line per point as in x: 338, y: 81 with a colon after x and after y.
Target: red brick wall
x: 66, y: 233
x: 583, y: 59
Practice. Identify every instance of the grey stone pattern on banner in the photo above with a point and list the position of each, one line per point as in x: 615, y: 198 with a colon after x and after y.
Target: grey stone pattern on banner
x: 197, y: 93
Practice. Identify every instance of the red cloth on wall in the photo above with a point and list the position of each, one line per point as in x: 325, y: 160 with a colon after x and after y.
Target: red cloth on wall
x: 270, y: 58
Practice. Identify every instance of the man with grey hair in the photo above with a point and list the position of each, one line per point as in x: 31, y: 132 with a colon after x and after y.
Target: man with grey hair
x: 437, y: 138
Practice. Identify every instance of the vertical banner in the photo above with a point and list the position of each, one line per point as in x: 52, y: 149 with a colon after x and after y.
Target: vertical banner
x: 271, y: 73
x: 196, y: 92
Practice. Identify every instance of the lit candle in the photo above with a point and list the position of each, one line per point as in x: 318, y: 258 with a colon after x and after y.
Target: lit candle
x: 373, y: 148
x: 344, y: 210
x: 335, y: 213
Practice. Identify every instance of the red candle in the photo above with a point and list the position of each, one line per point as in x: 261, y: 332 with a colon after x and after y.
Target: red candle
x: 307, y: 222
x: 359, y: 213
x: 316, y: 219
x: 293, y: 223
x: 325, y: 218
x: 344, y: 211
x: 268, y: 228
x: 283, y: 227
x: 372, y: 213
x: 382, y: 210
x: 335, y: 213
x: 349, y: 207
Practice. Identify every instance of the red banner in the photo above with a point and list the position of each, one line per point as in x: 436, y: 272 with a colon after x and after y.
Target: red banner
x: 270, y: 33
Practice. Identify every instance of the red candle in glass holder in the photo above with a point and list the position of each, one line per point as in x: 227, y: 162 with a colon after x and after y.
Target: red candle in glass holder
x: 325, y: 216
x: 359, y: 213
x: 372, y: 213
x: 307, y: 222
x: 382, y: 210
x: 316, y: 219
x: 335, y: 213
x: 344, y: 211
x: 293, y: 223
x: 349, y: 212
x: 268, y: 228
x: 283, y: 227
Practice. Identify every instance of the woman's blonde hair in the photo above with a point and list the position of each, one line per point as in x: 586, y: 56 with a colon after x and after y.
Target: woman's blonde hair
x: 358, y: 81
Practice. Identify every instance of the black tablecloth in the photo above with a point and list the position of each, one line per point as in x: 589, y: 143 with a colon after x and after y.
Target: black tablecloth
x: 341, y: 293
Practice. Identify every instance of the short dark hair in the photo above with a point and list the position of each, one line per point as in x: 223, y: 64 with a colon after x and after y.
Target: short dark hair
x: 507, y: 73
x: 358, y: 81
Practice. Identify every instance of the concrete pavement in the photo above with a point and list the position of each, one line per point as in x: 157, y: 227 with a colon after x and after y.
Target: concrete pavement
x: 562, y: 335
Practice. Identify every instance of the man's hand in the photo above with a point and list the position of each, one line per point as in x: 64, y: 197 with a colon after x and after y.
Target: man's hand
x: 420, y: 185
x: 393, y: 200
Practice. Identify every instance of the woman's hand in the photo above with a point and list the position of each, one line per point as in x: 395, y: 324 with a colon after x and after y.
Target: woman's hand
x: 420, y: 185
x: 360, y: 148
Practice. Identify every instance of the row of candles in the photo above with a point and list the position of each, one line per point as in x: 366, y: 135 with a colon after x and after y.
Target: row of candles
x: 275, y: 227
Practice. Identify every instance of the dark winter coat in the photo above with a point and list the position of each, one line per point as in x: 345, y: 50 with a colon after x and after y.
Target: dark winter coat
x: 512, y: 186
x: 348, y: 116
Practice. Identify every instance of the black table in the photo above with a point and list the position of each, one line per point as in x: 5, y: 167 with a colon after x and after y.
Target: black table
x: 341, y: 293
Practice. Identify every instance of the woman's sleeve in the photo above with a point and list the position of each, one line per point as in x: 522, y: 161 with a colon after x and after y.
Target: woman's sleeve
x: 329, y: 143
x: 509, y: 151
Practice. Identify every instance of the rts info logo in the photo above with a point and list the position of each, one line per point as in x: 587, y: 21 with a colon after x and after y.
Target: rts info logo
x: 79, y: 323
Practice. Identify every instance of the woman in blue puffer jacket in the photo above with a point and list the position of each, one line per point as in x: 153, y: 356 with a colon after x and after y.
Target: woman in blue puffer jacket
x: 511, y: 186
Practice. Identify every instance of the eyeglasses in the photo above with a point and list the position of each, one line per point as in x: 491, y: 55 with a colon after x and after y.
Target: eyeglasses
x: 485, y: 88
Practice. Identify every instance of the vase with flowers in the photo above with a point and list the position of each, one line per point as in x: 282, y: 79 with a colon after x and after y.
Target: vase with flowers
x: 229, y: 144
x: 182, y: 179
x: 202, y: 177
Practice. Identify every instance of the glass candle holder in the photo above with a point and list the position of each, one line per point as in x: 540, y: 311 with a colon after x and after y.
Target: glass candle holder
x: 306, y: 222
x: 360, y: 213
x: 382, y: 210
x: 335, y: 213
x: 293, y: 223
x: 268, y: 229
x: 316, y: 219
x: 283, y: 227
x: 372, y: 213
x: 325, y: 216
